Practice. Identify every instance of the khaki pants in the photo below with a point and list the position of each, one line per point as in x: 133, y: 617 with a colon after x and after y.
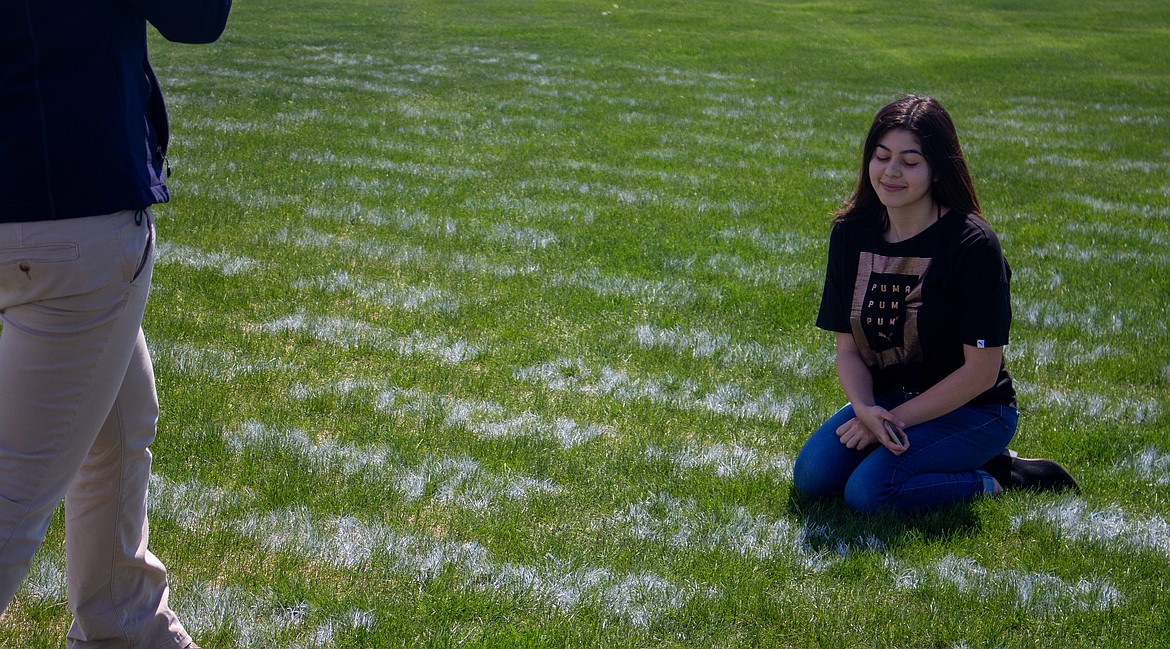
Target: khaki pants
x: 78, y: 411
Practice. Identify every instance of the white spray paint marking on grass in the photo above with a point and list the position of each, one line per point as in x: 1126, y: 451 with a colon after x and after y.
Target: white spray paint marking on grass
x: 680, y: 525
x: 638, y: 599
x: 1091, y: 405
x: 308, y: 238
x: 796, y: 359
x: 1096, y: 254
x: 566, y: 432
x: 407, y: 298
x: 207, y: 608
x: 466, y: 483
x: 350, y: 334
x: 1120, y: 232
x: 420, y: 222
x: 1117, y: 209
x: 725, y: 460
x: 636, y: 196
x: 462, y: 482
x: 538, y: 210
x: 699, y: 343
x: 213, y: 363
x: 726, y: 399
x: 780, y: 243
x: 682, y: 181
x: 324, y: 455
x: 491, y: 420
x: 225, y: 125
x: 661, y: 291
x: 486, y: 419
x: 246, y: 196
x: 169, y: 253
x: 1031, y: 280
x: 1111, y: 527
x: 1113, y: 164
x: 1149, y: 465
x: 754, y: 273
x: 1045, y: 352
x: 1042, y: 115
x: 46, y: 580
x: 194, y: 506
x: 1050, y: 314
x: 454, y: 411
x: 401, y: 219
x: 255, y: 620
x: 371, y: 163
x: 480, y: 265
x: 366, y: 248
x: 530, y: 238
x: 402, y: 401
x: 1033, y: 591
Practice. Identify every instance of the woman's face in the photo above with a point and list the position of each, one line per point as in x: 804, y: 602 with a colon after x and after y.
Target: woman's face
x: 900, y: 174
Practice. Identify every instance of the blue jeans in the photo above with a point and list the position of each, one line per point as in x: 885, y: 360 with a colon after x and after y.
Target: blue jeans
x: 940, y: 467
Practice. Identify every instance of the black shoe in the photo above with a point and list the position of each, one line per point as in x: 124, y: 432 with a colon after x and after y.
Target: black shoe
x: 1000, y: 468
x: 1041, y: 474
x: 1013, y: 472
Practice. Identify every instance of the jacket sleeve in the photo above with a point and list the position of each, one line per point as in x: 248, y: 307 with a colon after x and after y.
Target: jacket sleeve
x: 186, y: 21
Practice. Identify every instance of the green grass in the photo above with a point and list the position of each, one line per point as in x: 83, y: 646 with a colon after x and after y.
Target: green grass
x: 490, y: 324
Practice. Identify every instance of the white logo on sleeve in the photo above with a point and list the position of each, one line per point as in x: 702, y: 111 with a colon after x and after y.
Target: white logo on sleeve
x: 981, y: 343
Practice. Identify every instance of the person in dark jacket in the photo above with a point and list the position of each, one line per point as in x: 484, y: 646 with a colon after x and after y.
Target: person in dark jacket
x: 83, y: 140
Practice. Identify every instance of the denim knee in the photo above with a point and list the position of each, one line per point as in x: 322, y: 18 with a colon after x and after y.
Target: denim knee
x: 810, y: 480
x: 875, y: 484
x: 820, y: 472
x: 863, y: 498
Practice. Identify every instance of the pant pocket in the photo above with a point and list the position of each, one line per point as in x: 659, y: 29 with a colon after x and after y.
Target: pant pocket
x: 147, y: 251
x: 23, y: 266
x: 46, y: 253
x: 136, y: 238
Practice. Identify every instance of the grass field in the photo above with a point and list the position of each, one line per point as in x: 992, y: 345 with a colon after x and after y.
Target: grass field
x: 490, y: 323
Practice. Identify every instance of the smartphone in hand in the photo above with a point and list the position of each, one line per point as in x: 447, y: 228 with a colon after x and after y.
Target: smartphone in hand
x: 897, y: 435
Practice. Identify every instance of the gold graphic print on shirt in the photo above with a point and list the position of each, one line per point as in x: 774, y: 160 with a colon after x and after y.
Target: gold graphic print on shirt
x: 884, y: 316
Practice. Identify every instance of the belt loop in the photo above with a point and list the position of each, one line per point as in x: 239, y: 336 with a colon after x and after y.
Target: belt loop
x: 138, y: 216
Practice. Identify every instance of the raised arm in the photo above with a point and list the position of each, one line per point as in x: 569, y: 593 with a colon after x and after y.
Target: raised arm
x: 186, y: 21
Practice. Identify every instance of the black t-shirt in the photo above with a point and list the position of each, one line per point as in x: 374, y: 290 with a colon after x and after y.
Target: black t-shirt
x: 912, y: 305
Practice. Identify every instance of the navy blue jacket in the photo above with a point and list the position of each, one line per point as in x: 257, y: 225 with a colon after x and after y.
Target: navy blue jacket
x: 83, y: 126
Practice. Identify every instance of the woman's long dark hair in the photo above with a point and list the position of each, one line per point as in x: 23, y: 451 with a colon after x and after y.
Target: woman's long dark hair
x: 929, y: 121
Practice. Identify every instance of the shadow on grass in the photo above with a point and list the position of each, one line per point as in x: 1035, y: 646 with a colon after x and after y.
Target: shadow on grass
x: 830, y: 525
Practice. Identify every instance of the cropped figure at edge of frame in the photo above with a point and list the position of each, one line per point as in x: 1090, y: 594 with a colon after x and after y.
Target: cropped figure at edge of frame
x: 83, y: 138
x: 917, y: 293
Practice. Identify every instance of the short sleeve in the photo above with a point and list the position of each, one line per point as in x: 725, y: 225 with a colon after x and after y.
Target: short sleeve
x: 985, y: 310
x: 836, y: 295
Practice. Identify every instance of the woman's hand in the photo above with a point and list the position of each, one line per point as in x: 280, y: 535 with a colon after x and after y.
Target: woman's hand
x: 869, y: 420
x: 855, y: 435
x: 869, y: 425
